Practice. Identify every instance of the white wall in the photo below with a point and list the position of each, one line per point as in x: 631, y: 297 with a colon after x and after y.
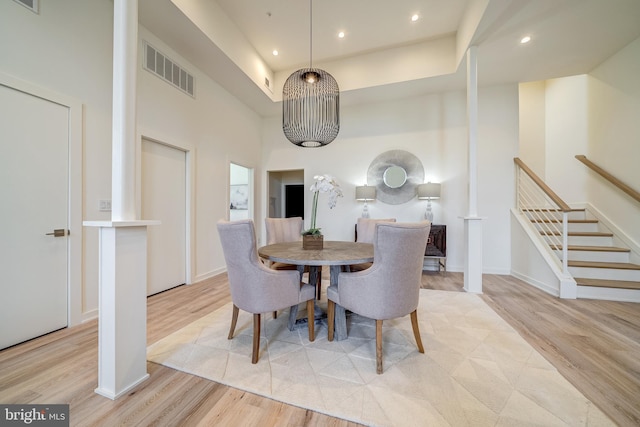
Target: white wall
x: 433, y: 128
x: 67, y: 48
x: 595, y: 115
x: 532, y: 126
x: 614, y: 136
x: 497, y: 146
x: 221, y: 130
x: 566, y: 127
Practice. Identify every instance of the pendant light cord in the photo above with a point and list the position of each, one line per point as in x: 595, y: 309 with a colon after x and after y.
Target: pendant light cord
x: 310, y: 33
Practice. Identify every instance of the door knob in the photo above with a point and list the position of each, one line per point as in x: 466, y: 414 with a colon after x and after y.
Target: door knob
x: 59, y: 232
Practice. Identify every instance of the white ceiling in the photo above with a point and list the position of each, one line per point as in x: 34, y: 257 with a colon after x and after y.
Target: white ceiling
x: 384, y: 55
x: 368, y: 26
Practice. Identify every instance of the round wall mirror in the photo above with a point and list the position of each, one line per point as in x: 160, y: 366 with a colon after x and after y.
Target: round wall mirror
x: 394, y: 177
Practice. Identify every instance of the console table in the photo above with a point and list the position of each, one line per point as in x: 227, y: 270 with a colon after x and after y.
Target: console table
x: 437, y: 246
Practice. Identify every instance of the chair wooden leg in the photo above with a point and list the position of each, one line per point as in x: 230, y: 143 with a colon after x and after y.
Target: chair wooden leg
x: 234, y: 320
x: 379, y: 346
x: 331, y: 316
x: 256, y: 338
x: 416, y: 330
x: 311, y: 320
x: 275, y: 314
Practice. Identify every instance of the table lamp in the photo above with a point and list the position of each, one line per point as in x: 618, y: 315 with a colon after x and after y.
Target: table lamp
x: 429, y: 191
x: 365, y: 193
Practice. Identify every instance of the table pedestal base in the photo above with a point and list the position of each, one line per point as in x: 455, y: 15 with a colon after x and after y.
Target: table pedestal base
x: 340, y: 332
x: 334, y: 254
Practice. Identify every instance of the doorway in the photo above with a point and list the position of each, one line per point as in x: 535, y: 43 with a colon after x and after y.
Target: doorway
x: 240, y: 192
x: 294, y: 200
x: 286, y: 193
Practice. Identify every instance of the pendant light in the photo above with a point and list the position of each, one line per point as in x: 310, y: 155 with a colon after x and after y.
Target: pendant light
x: 310, y: 103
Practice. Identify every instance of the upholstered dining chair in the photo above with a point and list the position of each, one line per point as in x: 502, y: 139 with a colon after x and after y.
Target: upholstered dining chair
x: 283, y: 230
x: 365, y: 231
x: 390, y: 288
x: 255, y: 288
x: 290, y: 230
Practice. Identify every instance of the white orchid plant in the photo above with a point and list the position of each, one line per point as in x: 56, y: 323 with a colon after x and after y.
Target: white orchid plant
x: 322, y: 184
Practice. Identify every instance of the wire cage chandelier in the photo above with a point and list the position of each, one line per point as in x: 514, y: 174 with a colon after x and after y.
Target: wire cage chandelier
x: 311, y: 103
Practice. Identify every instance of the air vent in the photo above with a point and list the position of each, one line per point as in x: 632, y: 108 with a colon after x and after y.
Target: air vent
x: 267, y: 84
x: 165, y: 68
x: 32, y: 5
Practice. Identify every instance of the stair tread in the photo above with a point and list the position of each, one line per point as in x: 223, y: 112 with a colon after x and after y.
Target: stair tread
x: 595, y: 248
x: 552, y: 210
x: 578, y: 233
x: 624, y: 284
x: 595, y: 264
x: 571, y: 221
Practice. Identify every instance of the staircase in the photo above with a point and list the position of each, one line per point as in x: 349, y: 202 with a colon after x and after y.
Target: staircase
x: 597, y: 264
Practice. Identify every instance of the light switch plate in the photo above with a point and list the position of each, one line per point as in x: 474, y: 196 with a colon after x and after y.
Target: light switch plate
x: 105, y: 206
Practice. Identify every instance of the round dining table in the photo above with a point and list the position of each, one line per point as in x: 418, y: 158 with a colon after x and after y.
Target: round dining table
x: 335, y: 254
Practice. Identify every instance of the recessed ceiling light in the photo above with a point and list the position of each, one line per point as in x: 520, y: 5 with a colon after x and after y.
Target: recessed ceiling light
x: 275, y: 52
x: 415, y: 17
x: 525, y: 39
x: 341, y: 34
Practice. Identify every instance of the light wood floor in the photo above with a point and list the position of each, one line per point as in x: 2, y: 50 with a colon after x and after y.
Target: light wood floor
x: 594, y: 344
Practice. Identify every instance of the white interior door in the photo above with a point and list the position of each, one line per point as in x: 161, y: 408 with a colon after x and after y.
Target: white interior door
x: 164, y: 177
x: 34, y: 188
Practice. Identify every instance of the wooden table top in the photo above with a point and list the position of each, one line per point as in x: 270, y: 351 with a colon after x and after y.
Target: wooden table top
x: 333, y: 253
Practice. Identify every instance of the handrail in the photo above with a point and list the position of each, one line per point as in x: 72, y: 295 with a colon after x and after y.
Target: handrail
x: 544, y: 187
x: 541, y: 206
x: 612, y: 179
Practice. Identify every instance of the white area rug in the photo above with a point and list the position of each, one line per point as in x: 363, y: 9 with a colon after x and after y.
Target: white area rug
x: 476, y: 370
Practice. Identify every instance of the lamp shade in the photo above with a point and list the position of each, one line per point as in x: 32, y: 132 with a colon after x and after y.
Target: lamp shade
x: 365, y: 193
x: 310, y: 108
x: 430, y: 190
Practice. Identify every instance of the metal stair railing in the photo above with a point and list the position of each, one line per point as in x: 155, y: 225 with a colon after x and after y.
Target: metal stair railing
x: 535, y: 200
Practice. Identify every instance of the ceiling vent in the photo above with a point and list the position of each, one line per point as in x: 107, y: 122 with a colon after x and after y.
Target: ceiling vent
x: 165, y: 68
x: 32, y: 5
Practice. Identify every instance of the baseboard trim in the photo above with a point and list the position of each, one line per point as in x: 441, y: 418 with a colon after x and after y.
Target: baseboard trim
x: 609, y: 294
x: 113, y: 396
x: 87, y: 316
x: 537, y: 284
x: 209, y: 274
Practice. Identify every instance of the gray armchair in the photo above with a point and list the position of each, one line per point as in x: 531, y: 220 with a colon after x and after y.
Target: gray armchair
x: 283, y: 229
x: 390, y: 288
x: 365, y: 232
x: 366, y: 228
x: 290, y: 230
x: 256, y: 288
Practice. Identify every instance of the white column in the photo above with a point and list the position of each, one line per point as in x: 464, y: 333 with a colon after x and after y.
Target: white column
x: 122, y: 330
x: 472, y: 222
x: 123, y: 166
x: 122, y: 327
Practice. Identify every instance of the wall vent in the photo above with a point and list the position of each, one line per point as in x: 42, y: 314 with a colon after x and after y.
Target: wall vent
x: 165, y: 68
x: 267, y: 84
x: 32, y: 5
